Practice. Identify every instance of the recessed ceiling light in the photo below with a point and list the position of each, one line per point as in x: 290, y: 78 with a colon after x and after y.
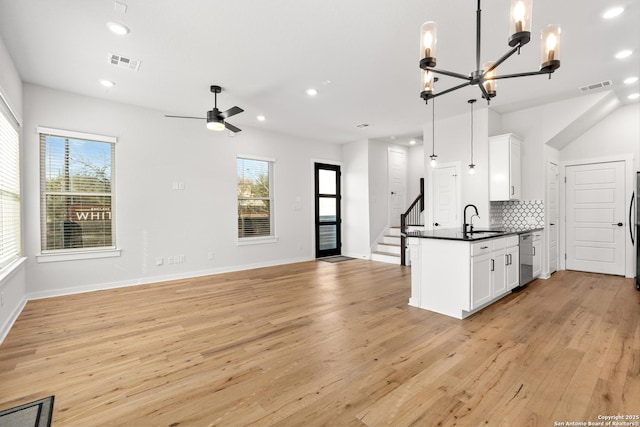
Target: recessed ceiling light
x: 327, y: 82
x: 261, y: 118
x: 630, y: 80
x: 624, y: 54
x: 118, y: 29
x: 312, y: 92
x: 613, y: 12
x: 634, y: 96
x: 107, y: 83
x: 412, y: 142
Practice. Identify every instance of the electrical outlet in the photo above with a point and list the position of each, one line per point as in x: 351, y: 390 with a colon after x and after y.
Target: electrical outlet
x: 159, y: 261
x: 210, y: 255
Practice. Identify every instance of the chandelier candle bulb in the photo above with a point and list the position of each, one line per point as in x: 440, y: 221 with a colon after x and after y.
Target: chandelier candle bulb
x: 550, y: 48
x: 490, y: 84
x: 520, y: 25
x: 428, y: 41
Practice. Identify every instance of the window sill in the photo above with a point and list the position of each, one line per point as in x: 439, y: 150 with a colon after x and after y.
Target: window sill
x: 72, y: 256
x: 8, y: 270
x: 245, y: 241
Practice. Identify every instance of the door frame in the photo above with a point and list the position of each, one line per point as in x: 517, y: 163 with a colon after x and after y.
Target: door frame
x: 316, y: 243
x: 628, y: 160
x: 546, y: 270
x: 429, y: 219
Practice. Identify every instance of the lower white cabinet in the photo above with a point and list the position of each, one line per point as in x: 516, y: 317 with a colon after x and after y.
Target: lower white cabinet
x: 537, y: 254
x: 481, y: 286
x: 513, y: 266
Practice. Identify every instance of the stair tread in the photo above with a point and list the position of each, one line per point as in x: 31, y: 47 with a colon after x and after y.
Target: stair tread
x: 390, y: 244
x: 386, y: 253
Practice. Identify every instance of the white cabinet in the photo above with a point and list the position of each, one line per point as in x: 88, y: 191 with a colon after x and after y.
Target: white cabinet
x: 481, y: 286
x: 491, y: 273
x: 504, y: 167
x: 537, y: 253
x: 513, y: 266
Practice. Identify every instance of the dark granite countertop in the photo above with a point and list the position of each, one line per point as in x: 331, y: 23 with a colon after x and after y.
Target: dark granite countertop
x: 478, y: 234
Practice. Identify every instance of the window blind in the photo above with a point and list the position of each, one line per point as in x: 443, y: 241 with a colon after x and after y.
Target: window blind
x: 76, y: 192
x: 255, y: 197
x: 9, y: 188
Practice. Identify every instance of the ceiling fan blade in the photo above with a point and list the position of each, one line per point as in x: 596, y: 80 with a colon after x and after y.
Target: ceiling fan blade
x: 184, y: 117
x: 232, y: 128
x: 231, y: 112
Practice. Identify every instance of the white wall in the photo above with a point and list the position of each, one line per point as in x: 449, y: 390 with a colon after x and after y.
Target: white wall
x: 12, y: 277
x: 153, y: 220
x: 453, y: 143
x: 618, y: 133
x: 415, y: 170
x: 355, y: 221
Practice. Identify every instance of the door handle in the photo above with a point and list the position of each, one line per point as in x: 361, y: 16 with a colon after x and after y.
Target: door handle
x: 436, y: 224
x: 393, y: 192
x: 630, y: 210
x: 618, y: 224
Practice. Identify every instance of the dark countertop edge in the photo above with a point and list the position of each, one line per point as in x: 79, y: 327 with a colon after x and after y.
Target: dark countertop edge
x: 481, y: 236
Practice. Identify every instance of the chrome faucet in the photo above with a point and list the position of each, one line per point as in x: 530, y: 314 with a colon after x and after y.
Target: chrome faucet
x: 465, y: 225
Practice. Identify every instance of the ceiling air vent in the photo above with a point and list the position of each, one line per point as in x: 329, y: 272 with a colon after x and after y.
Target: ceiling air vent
x: 596, y: 86
x: 124, y: 62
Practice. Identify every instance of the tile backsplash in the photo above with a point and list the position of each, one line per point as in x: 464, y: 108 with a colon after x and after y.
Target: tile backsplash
x: 517, y: 213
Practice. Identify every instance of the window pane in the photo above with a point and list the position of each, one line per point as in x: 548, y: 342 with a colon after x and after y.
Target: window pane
x: 77, y: 165
x: 9, y: 190
x: 254, y: 218
x: 327, y: 181
x: 77, y: 199
x: 327, y: 209
x: 255, y: 206
x: 78, y: 222
x: 328, y: 237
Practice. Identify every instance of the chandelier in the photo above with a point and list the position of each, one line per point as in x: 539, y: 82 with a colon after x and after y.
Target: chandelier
x: 486, y: 77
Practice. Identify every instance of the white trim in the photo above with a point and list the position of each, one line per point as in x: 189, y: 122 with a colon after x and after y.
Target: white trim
x: 76, y: 135
x: 253, y: 157
x: 628, y: 160
x: 246, y: 241
x: 158, y: 279
x: 10, y: 110
x: 73, y: 256
x: 12, y: 319
x: 8, y: 271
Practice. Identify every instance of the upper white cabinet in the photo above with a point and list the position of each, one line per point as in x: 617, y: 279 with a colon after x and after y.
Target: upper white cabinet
x: 504, y: 167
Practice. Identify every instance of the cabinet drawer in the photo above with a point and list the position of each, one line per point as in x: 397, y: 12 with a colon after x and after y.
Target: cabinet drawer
x: 480, y: 248
x: 513, y: 241
x: 537, y: 235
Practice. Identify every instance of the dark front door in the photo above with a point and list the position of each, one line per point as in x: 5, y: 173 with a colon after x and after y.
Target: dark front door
x: 327, y: 195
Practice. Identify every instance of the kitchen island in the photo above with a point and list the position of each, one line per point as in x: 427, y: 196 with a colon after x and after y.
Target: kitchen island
x: 457, y: 274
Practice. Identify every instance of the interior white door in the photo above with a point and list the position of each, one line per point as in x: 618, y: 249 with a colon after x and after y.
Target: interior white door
x: 445, y: 198
x: 595, y: 229
x: 397, y: 185
x: 554, y: 216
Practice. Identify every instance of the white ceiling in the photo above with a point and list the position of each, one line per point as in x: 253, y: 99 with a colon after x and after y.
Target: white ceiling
x: 265, y: 54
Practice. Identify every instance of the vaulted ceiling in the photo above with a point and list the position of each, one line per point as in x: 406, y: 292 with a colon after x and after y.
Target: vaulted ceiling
x: 360, y: 55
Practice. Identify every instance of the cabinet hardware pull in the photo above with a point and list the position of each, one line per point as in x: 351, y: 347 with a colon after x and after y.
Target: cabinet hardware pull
x: 493, y: 266
x: 484, y: 247
x: 513, y: 190
x: 534, y: 251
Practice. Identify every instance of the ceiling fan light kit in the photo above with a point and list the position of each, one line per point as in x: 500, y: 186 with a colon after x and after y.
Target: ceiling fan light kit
x: 486, y: 77
x: 216, y: 120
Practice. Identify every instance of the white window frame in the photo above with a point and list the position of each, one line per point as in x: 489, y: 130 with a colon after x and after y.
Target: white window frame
x: 13, y: 251
x: 243, y: 241
x: 80, y: 253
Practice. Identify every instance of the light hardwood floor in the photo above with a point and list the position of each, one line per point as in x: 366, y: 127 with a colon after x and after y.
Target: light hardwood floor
x: 317, y: 343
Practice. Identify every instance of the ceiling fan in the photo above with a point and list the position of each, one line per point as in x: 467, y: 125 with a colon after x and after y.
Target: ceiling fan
x: 216, y: 119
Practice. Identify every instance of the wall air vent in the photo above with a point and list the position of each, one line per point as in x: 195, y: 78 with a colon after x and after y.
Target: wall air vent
x: 596, y: 86
x: 124, y: 62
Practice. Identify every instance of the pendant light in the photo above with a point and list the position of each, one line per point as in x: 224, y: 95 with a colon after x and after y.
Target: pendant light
x: 472, y: 167
x: 433, y: 155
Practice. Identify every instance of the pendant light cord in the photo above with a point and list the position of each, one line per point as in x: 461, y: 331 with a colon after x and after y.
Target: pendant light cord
x: 471, y: 101
x: 433, y: 129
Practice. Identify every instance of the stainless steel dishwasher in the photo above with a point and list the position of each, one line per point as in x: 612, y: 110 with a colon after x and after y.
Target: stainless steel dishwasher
x: 526, y: 259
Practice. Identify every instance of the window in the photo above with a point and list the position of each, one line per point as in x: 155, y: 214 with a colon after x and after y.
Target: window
x: 9, y: 187
x: 255, y: 198
x: 76, y: 190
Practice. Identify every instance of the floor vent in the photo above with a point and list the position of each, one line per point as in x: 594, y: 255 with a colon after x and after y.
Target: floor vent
x: 124, y: 62
x: 596, y: 86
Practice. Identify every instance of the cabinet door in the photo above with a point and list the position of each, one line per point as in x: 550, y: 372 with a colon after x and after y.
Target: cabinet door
x: 480, y: 280
x: 498, y: 272
x: 537, y: 258
x: 513, y: 267
x: 515, y: 175
x: 499, y: 168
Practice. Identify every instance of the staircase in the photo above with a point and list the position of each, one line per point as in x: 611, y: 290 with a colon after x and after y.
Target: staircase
x: 388, y: 248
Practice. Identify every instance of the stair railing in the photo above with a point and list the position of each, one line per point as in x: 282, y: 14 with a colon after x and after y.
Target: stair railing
x: 412, y: 217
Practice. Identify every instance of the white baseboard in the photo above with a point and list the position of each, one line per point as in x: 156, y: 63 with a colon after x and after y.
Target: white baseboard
x: 4, y: 331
